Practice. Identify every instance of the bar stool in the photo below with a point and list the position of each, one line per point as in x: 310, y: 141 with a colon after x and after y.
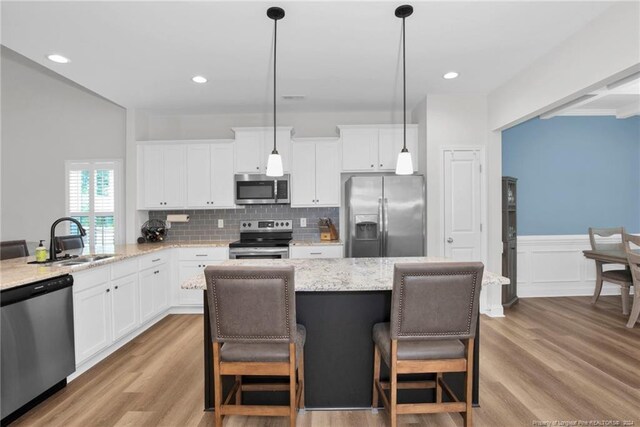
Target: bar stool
x: 13, y: 249
x: 434, y: 311
x: 634, y: 266
x: 254, y: 332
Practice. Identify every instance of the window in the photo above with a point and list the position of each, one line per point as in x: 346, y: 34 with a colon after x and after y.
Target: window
x: 93, y: 198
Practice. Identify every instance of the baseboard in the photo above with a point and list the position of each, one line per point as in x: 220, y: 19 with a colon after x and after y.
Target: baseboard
x: 554, y: 266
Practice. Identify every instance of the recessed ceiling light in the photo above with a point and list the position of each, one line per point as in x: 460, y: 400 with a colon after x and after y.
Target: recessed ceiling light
x: 199, y: 79
x: 58, y: 58
x: 450, y: 75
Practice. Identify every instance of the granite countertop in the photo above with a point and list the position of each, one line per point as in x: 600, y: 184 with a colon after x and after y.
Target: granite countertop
x: 16, y: 272
x: 341, y: 274
x: 315, y: 242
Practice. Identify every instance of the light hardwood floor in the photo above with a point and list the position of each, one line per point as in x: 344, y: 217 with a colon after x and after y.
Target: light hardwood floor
x: 549, y: 359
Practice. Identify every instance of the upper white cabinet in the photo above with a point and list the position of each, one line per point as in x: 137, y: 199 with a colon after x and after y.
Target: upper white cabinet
x: 210, y: 175
x: 375, y: 147
x: 253, y: 146
x: 164, y: 176
x: 315, y: 173
x: 186, y: 174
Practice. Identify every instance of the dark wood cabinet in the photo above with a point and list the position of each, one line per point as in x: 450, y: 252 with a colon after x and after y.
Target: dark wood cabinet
x: 509, y: 241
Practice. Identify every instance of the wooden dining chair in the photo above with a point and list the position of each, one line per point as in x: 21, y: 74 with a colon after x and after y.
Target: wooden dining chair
x: 634, y: 266
x: 254, y: 333
x: 620, y: 277
x: 434, y: 311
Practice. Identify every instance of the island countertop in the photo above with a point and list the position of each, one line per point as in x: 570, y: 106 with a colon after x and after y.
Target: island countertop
x: 341, y: 274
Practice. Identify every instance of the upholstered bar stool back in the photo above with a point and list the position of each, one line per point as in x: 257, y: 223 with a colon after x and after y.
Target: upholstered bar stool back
x: 13, y: 249
x: 254, y: 332
x: 434, y: 313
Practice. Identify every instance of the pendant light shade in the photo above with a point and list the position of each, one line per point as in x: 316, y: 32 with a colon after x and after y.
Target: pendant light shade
x: 274, y: 162
x: 404, y: 165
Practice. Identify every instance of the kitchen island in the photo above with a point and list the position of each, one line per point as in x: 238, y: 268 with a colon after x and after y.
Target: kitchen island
x: 338, y: 301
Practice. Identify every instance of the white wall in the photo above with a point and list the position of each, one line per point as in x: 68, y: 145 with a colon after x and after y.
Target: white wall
x: 47, y: 119
x: 205, y: 126
x: 459, y: 121
x: 605, y: 50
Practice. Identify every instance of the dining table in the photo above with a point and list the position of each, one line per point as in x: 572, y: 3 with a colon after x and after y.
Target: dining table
x: 616, y: 256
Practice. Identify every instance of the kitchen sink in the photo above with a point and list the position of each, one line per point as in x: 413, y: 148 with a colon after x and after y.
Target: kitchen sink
x: 83, y: 260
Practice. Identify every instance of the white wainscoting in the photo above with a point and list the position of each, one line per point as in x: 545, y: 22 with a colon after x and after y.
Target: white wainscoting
x: 550, y: 266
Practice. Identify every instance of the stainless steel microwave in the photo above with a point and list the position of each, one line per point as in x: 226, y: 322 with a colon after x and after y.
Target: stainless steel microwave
x: 255, y: 189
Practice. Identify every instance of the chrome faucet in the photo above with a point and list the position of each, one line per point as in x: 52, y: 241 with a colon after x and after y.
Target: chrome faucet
x: 52, y: 245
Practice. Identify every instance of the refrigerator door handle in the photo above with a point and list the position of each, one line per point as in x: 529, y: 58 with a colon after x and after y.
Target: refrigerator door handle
x: 380, y: 227
x: 386, y: 225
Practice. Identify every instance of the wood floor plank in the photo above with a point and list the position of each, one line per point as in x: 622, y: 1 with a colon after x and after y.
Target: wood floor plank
x: 549, y: 359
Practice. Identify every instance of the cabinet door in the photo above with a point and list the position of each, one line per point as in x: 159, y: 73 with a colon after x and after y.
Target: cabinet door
x: 161, y: 289
x: 359, y: 149
x: 92, y: 320
x: 222, y: 176
x: 187, y: 270
x: 327, y: 174
x: 303, y: 174
x: 199, y: 176
x: 147, y: 283
x: 125, y: 305
x: 249, y: 152
x: 389, y: 146
x: 153, y: 176
x: 175, y: 164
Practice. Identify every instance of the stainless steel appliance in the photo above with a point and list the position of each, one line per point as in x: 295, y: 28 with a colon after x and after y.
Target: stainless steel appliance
x: 254, y: 189
x: 38, y: 350
x: 385, y: 216
x: 263, y: 239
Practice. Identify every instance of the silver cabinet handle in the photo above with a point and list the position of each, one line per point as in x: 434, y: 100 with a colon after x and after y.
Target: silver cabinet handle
x: 201, y: 254
x: 155, y: 260
x: 449, y: 240
x: 315, y: 253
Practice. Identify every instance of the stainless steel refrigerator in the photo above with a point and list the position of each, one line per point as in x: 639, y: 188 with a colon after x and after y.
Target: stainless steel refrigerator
x: 385, y: 216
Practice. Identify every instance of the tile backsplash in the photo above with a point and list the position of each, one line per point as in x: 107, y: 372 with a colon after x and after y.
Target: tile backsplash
x: 203, y: 224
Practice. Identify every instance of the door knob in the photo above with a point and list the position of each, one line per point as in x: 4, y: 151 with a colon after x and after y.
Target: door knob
x: 449, y: 240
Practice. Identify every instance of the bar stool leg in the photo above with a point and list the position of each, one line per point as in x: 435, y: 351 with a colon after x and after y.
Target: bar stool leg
x: 438, y: 387
x: 239, y: 391
x: 376, y: 377
x: 393, y: 410
x: 468, y: 379
x: 217, y: 384
x: 301, y: 379
x: 292, y: 385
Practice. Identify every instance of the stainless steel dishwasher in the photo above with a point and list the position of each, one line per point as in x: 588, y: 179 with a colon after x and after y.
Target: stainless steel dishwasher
x: 38, y: 350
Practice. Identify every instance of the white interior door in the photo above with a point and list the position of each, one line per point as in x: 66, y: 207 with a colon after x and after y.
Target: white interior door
x: 462, y: 205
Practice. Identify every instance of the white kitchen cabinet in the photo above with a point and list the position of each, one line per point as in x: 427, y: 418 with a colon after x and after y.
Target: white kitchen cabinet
x: 154, y: 291
x: 375, y: 148
x: 317, y: 251
x: 164, y: 176
x: 193, y: 261
x: 315, y: 173
x: 92, y: 313
x: 124, y: 294
x: 253, y: 146
x: 210, y: 175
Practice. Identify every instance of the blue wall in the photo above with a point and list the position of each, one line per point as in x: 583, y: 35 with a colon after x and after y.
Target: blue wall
x: 574, y: 173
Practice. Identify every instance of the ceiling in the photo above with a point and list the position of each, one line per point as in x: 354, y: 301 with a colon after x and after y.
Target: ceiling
x: 619, y: 100
x: 341, y: 56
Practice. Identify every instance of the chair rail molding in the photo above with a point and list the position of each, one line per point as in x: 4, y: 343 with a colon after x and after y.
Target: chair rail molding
x: 554, y: 266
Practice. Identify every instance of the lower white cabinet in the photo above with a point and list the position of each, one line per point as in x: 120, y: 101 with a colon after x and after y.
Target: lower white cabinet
x: 92, y: 315
x: 319, y: 251
x: 154, y: 292
x: 124, y: 298
x: 193, y: 261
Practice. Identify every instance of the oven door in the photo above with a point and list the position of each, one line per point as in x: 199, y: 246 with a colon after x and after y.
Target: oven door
x: 258, y: 253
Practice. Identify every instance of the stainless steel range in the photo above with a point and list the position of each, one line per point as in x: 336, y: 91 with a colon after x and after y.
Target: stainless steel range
x: 262, y: 239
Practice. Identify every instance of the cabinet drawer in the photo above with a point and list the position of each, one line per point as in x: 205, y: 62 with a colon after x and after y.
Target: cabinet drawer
x: 124, y: 268
x: 152, y: 260
x: 321, y: 251
x: 203, y: 254
x: 90, y: 278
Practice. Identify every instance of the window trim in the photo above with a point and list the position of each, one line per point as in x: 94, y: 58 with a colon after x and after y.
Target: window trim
x: 118, y: 212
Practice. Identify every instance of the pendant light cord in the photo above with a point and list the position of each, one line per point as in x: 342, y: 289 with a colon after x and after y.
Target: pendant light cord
x: 275, y: 44
x: 404, y: 89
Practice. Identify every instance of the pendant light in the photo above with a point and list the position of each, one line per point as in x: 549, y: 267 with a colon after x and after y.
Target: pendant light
x: 404, y: 165
x: 274, y: 163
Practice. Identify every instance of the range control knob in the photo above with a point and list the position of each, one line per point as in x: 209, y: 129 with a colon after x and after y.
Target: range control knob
x: 249, y: 224
x: 244, y: 224
x: 287, y: 224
